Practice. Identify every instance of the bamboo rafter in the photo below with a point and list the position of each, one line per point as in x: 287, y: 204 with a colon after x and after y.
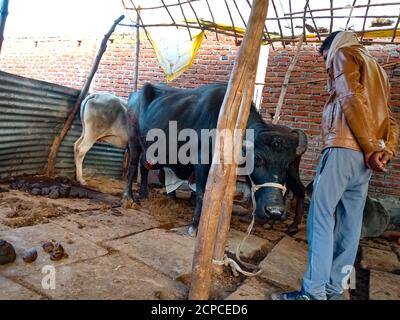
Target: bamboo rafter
x: 278, y: 34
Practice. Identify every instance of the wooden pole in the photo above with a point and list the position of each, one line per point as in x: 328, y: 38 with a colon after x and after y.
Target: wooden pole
x: 331, y: 8
x: 227, y: 206
x: 279, y: 22
x: 59, y: 138
x: 137, y: 51
x: 286, y: 82
x: 218, y: 178
x: 3, y: 18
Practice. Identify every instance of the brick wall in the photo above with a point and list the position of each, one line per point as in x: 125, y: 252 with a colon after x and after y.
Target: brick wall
x: 304, y: 103
x: 67, y: 62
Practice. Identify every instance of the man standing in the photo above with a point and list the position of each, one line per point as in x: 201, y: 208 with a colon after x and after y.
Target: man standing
x: 359, y: 135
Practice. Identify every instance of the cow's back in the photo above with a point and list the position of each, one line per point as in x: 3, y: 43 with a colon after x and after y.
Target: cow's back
x: 103, y: 110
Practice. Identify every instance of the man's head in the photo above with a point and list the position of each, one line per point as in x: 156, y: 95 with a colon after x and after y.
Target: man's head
x: 324, y: 48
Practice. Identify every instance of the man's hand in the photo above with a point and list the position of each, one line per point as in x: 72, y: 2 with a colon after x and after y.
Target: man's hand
x: 378, y: 160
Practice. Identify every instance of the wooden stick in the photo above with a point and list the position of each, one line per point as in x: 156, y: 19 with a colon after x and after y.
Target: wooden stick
x: 212, y: 17
x: 279, y: 22
x: 3, y: 18
x: 291, y: 20
x: 71, y: 116
x: 286, y: 82
x: 313, y: 20
x: 141, y: 20
x: 331, y: 24
x: 227, y: 206
x: 304, y: 20
x: 137, y: 50
x: 184, y: 17
x: 240, y: 14
x: 346, y: 7
x: 395, y: 29
x: 351, y: 11
x: 169, y: 13
x: 197, y: 18
x: 218, y: 178
x: 233, y: 24
x: 365, y: 20
x: 163, y: 6
x: 270, y: 40
x: 265, y: 28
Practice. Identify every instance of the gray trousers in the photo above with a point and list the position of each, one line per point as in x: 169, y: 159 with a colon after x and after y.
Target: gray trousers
x: 334, y: 220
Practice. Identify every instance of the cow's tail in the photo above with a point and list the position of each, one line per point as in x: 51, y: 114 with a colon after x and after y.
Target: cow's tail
x: 83, y: 107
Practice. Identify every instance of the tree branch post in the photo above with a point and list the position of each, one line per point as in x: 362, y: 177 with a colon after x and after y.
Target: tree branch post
x: 71, y: 116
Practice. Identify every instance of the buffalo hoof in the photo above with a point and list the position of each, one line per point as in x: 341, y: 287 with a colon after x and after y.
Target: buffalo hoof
x: 171, y: 195
x: 292, y: 230
x: 82, y: 182
x: 192, y: 231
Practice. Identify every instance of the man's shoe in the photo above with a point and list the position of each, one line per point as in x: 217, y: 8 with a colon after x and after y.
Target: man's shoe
x: 334, y: 296
x: 294, y: 295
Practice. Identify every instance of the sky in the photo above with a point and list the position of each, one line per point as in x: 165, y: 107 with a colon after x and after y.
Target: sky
x: 94, y: 17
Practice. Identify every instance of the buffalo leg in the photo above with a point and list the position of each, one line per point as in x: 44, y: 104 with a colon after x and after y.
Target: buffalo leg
x: 128, y: 196
x: 81, y: 147
x: 201, y: 173
x: 144, y: 173
x: 299, y: 191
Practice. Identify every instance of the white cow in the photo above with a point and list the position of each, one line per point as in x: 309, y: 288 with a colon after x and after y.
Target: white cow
x: 103, y: 117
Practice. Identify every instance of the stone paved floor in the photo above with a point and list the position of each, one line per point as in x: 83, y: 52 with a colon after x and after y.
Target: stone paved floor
x: 116, y: 253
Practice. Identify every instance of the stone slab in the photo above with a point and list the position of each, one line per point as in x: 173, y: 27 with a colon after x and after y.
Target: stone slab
x: 253, y: 289
x: 114, y: 277
x: 253, y: 247
x: 25, y: 238
x: 10, y: 290
x: 285, y: 264
x: 384, y: 286
x: 168, y: 252
x: 374, y: 259
x: 99, y: 226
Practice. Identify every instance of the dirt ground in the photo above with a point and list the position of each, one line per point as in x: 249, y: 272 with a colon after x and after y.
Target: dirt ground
x: 97, y: 234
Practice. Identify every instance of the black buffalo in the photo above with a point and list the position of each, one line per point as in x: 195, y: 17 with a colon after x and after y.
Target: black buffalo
x: 277, y: 149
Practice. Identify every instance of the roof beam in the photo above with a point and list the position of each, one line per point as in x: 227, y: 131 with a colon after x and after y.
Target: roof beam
x: 279, y: 22
x: 233, y: 24
x: 365, y: 20
x: 345, y: 7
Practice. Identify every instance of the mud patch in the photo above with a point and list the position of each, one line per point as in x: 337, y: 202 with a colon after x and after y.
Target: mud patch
x: 167, y: 211
x: 16, y: 214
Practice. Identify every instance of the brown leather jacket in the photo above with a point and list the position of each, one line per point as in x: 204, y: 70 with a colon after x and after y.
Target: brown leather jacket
x: 357, y: 115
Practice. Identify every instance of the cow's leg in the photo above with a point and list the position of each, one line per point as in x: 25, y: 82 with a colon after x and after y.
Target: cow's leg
x: 81, y: 147
x: 128, y: 197
x: 144, y: 173
x: 299, y: 191
x: 201, y: 173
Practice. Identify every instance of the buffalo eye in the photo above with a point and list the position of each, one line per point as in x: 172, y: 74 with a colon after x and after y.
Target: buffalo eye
x: 258, y: 160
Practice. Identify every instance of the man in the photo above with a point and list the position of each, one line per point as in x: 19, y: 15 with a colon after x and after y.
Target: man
x: 360, y: 135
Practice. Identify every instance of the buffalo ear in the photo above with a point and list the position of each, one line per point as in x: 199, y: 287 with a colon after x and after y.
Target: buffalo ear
x: 302, y: 142
x: 276, y: 140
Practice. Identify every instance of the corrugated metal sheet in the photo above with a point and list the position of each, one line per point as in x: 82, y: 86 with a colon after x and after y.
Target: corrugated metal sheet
x: 32, y: 112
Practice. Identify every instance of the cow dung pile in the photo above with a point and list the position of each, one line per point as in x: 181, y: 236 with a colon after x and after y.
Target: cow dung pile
x: 59, y: 187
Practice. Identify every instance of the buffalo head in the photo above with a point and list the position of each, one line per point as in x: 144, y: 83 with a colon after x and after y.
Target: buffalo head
x: 274, y: 152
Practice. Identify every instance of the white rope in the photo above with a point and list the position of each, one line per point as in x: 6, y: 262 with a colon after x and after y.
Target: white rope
x: 236, y: 269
